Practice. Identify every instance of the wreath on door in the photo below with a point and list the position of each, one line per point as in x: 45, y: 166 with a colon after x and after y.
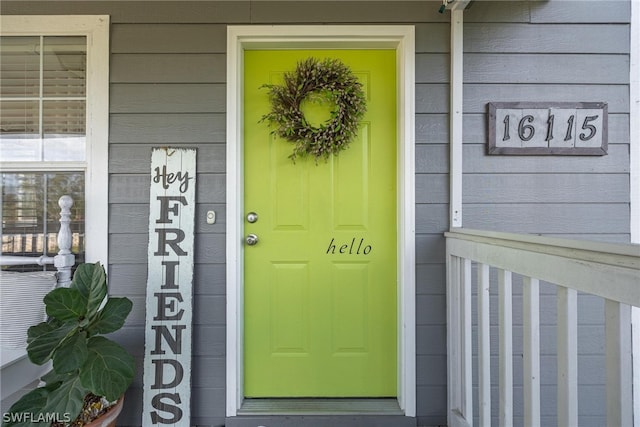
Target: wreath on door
x: 329, y: 80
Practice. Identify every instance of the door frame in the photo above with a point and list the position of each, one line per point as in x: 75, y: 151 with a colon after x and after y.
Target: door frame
x: 398, y: 37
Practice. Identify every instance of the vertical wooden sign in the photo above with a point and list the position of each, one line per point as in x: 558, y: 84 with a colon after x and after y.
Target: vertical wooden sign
x: 167, y: 354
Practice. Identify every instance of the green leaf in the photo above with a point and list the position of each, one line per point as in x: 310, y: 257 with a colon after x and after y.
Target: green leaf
x: 32, y: 404
x: 91, y: 281
x: 112, y: 316
x: 109, y: 369
x: 40, y: 329
x: 66, y: 401
x: 71, y: 354
x: 65, y: 304
x: 42, y: 346
x: 52, y: 378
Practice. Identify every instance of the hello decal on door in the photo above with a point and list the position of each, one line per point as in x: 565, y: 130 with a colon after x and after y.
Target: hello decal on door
x: 353, y: 247
x: 168, y: 330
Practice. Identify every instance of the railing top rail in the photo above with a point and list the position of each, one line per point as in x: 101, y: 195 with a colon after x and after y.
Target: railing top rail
x: 617, y: 254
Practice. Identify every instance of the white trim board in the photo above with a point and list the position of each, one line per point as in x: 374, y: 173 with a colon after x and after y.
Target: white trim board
x: 634, y: 183
x: 400, y: 38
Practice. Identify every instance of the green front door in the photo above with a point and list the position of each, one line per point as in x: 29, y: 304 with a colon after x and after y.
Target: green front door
x: 320, y: 306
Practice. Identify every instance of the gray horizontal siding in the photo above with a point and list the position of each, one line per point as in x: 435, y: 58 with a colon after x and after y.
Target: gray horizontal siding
x: 543, y: 218
x: 168, y: 68
x: 169, y: 38
x: 476, y: 96
x: 618, y: 11
x: 168, y: 98
x: 168, y: 75
x: 518, y: 38
x: 166, y: 129
x: 546, y: 68
x: 292, y: 12
x: 551, y: 188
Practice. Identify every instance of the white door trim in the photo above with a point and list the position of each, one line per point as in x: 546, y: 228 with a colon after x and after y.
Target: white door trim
x: 400, y: 38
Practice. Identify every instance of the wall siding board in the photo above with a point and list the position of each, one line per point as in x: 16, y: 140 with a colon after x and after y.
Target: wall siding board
x: 168, y: 38
x: 433, y: 38
x: 432, y: 188
x: 549, y: 218
x: 432, y: 68
x: 138, y: 12
x: 432, y: 98
x: 168, y: 98
x: 498, y: 11
x: 545, y: 188
x: 167, y: 129
x: 430, y: 249
x: 526, y: 38
x: 432, y: 370
x: 432, y: 129
x: 546, y: 68
x: 476, y: 96
x: 581, y: 12
x: 168, y: 68
x: 281, y: 12
x: 432, y: 404
x: 433, y: 218
x: 432, y: 158
x: 475, y: 161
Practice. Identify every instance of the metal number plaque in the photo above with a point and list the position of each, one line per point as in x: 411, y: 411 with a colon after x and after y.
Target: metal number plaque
x: 548, y: 128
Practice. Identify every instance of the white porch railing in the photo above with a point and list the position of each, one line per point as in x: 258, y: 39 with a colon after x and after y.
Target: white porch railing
x: 611, y: 271
x: 16, y: 371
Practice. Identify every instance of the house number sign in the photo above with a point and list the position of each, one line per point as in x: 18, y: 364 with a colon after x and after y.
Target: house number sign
x: 167, y: 353
x: 560, y: 128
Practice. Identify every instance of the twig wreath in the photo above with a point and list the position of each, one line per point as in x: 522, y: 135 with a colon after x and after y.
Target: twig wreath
x: 331, y: 80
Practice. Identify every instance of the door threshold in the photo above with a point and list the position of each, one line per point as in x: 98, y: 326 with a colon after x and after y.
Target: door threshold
x: 320, y: 406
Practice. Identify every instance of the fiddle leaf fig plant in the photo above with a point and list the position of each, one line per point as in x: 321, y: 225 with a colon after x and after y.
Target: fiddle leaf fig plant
x: 84, y: 362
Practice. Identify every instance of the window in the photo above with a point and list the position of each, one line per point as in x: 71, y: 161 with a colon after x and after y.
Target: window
x: 54, y: 132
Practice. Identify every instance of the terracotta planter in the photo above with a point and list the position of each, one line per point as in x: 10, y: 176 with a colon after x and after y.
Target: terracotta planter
x: 108, y: 419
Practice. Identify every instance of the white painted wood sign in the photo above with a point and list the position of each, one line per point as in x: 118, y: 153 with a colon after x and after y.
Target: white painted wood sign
x: 548, y: 128
x: 167, y: 356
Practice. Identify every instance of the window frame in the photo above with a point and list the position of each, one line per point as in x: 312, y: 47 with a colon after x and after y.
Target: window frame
x: 96, y: 29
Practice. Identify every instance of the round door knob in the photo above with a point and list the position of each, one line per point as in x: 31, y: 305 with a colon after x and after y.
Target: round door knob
x: 251, y: 239
x: 252, y: 217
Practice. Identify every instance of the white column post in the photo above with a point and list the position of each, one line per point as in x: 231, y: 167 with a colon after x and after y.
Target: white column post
x: 455, y: 112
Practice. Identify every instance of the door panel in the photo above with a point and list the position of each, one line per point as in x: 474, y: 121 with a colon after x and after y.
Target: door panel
x: 320, y: 285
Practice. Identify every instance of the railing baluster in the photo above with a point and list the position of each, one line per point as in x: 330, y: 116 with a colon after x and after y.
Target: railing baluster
x: 453, y: 339
x: 484, y: 347
x: 65, y: 260
x: 467, y: 374
x: 618, y: 345
x: 459, y: 342
x: 506, y: 348
x: 567, y: 357
x: 531, y: 368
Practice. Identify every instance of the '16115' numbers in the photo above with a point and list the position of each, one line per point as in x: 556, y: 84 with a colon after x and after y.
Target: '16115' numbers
x: 526, y: 131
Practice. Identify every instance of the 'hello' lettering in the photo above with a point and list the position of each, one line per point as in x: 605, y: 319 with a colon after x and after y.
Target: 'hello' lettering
x: 351, y: 248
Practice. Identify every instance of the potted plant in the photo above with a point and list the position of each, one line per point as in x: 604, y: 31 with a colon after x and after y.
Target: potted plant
x: 87, y: 367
